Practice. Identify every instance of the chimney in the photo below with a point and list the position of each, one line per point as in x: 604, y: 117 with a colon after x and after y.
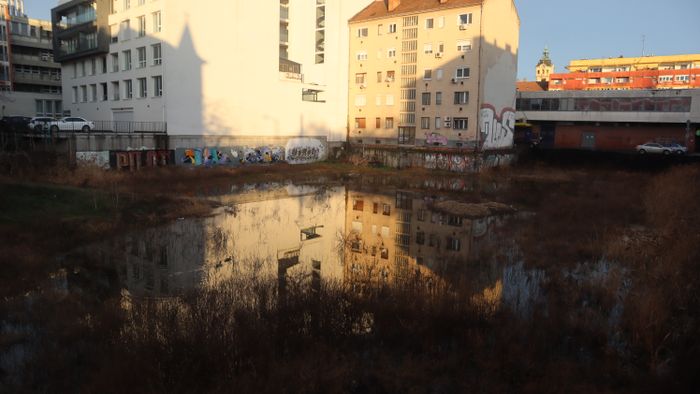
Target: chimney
x: 393, y: 4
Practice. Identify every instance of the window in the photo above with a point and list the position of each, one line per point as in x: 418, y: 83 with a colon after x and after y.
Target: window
x: 157, y: 55
x: 461, y: 97
x: 142, y: 25
x: 425, y: 123
x: 391, y: 52
x: 666, y: 78
x: 377, y: 123
x: 104, y: 64
x: 428, y: 48
x: 141, y: 53
x: 360, y: 100
x: 128, y: 90
x: 93, y: 92
x: 83, y: 94
x: 358, y: 205
x: 425, y: 98
x: 143, y: 88
x: 82, y: 69
x: 461, y: 123
x: 378, y: 100
x: 115, y: 91
x: 465, y: 19
x: 389, y: 123
x: 389, y: 99
x: 392, y: 28
x: 384, y: 253
x: 379, y: 76
x: 125, y: 30
x: 127, y: 4
x: 114, y: 34
x: 360, y: 78
x: 158, y: 86
x: 75, y: 94
x: 156, y: 22
x: 127, y: 60
x: 390, y: 76
x: 361, y: 56
x: 441, y: 22
x: 380, y: 29
x: 93, y: 66
x: 438, y: 123
x: 429, y: 23
x: 362, y: 32
x: 427, y: 74
x: 682, y: 78
x: 386, y: 211
x: 105, y: 94
x: 115, y: 62
x: 464, y: 45
x: 360, y: 123
x: 438, y: 74
x: 438, y: 98
x: 462, y: 73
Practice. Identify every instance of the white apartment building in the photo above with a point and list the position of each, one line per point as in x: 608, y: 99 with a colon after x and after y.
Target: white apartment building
x: 224, y: 69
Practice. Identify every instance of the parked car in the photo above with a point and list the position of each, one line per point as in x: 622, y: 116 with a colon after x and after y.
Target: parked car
x: 40, y: 124
x: 677, y: 148
x: 71, y: 124
x: 653, y: 147
x: 15, y: 123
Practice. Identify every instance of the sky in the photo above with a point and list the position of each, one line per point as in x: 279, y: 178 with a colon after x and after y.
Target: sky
x: 578, y: 29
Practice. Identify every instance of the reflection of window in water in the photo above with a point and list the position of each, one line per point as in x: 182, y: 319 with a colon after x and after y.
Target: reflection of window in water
x: 436, y: 217
x: 454, y: 220
x: 375, y: 207
x: 421, y: 215
x: 355, y: 245
x: 420, y: 238
x: 403, y: 201
x: 403, y: 239
x: 419, y: 260
x: 374, y: 251
x: 386, y: 209
x: 453, y: 244
x: 357, y: 205
x: 385, y: 254
x: 385, y: 274
x: 374, y: 229
x: 434, y: 241
x: 385, y: 231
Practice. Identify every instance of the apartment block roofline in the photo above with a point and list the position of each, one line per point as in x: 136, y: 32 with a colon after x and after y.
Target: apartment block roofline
x: 380, y: 9
x: 611, y: 61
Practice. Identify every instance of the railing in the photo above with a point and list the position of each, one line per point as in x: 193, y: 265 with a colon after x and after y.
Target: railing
x: 119, y: 127
x: 288, y: 66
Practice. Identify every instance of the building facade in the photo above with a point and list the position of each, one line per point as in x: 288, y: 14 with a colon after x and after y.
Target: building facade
x: 30, y: 79
x: 649, y: 72
x: 438, y: 74
x: 218, y: 73
x: 616, y: 120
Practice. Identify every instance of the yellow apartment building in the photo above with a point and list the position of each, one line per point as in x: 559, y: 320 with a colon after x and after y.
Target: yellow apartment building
x: 433, y: 73
x: 673, y: 62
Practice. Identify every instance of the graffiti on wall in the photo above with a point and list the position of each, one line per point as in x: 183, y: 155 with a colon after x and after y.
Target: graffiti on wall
x: 134, y: 160
x: 305, y: 150
x: 99, y: 159
x: 210, y: 157
x: 497, y: 129
x: 435, y: 139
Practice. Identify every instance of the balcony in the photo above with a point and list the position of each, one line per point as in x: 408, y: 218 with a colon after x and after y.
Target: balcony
x: 290, y: 70
x: 37, y: 79
x: 40, y: 61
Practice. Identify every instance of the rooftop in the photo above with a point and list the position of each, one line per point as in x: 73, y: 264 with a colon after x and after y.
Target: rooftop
x: 379, y: 9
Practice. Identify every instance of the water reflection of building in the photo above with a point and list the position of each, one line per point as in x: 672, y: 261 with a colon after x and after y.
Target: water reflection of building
x: 288, y: 233
x: 401, y: 236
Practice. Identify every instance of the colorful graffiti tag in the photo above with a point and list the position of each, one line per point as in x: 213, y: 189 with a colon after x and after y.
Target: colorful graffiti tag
x: 497, y: 130
x: 136, y: 159
x: 435, y: 139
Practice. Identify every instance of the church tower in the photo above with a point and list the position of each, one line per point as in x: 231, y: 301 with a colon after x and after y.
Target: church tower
x: 544, y: 67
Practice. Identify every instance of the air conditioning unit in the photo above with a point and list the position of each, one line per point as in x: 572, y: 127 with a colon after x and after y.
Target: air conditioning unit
x: 462, y: 27
x: 454, y: 81
x: 389, y: 79
x: 438, y: 55
x: 362, y: 86
x: 448, y: 119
